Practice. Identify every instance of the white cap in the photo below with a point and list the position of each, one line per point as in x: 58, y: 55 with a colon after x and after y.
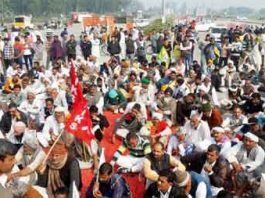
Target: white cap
x: 172, y: 69
x: 59, y: 109
x: 31, y: 140
x: 157, y: 116
x: 20, y: 124
x: 202, y: 88
x: 55, y: 86
x: 228, y: 129
x: 31, y: 91
x: 230, y: 62
x: 218, y: 129
x: 252, y: 137
x: 203, y: 77
x: 133, y: 70
x: 233, y: 88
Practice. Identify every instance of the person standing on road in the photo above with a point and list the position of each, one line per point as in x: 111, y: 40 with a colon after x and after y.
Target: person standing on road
x: 122, y: 43
x: 202, y: 45
x: 28, y: 52
x: 56, y: 49
x: 38, y: 49
x: 186, y: 48
x: 130, y: 48
x: 71, y: 48
x: 140, y: 51
x: 48, y: 48
x: 212, y: 51
x: 86, y: 47
x: 18, y: 51
x: 8, y: 54
x: 114, y: 47
x: 236, y: 50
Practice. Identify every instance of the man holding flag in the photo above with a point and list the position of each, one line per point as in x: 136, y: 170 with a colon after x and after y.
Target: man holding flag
x: 61, y: 169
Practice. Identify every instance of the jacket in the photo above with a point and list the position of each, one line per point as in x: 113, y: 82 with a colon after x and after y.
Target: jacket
x: 152, y: 167
x: 116, y: 187
x: 221, y: 170
x: 6, y: 122
x: 158, y: 166
x: 86, y: 48
x: 114, y: 48
x: 69, y: 173
x: 130, y: 46
x: 215, y: 118
x: 153, y: 192
x: 57, y: 50
x: 71, y: 47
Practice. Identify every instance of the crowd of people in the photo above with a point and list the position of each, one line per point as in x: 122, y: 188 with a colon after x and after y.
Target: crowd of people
x: 189, y: 127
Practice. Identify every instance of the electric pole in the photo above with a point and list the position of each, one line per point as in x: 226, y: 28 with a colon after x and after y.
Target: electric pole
x: 163, y: 11
x: 2, y: 8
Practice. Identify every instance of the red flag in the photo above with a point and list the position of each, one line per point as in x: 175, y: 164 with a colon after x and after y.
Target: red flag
x: 79, y: 124
x: 76, y: 89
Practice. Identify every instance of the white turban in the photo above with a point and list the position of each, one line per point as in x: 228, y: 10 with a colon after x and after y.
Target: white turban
x: 218, y: 129
x: 31, y: 140
x: 252, y: 137
x: 202, y: 88
x: 59, y: 109
x: 19, y: 127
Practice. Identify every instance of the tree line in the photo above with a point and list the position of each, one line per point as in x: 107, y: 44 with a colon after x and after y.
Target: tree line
x: 38, y: 8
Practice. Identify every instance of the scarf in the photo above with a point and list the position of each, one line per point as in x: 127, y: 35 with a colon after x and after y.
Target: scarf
x: 54, y: 179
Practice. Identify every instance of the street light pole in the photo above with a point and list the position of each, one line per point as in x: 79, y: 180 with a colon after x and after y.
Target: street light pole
x: 163, y: 11
x: 2, y: 8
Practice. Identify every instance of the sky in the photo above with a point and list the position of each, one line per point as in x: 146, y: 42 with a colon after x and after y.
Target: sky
x: 216, y: 4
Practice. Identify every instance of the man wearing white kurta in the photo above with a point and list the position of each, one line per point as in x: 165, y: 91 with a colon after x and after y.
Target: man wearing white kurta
x: 122, y: 44
x: 198, y: 132
x: 31, y: 106
x: 145, y: 94
x: 52, y: 126
x: 59, y: 98
x: 245, y: 159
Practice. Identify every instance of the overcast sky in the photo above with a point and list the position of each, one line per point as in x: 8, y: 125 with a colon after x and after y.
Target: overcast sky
x: 256, y: 4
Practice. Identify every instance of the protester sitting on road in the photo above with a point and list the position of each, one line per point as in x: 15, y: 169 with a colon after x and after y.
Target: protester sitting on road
x: 138, y: 148
x: 106, y: 183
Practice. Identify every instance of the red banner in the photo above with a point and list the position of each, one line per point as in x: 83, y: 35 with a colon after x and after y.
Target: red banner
x: 79, y: 123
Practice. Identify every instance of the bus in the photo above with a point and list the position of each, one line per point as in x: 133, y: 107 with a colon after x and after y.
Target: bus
x: 22, y: 22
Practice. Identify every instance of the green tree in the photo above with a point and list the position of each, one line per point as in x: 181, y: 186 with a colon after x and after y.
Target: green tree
x: 47, y: 8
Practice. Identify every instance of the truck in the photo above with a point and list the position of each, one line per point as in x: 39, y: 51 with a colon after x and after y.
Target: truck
x: 22, y: 22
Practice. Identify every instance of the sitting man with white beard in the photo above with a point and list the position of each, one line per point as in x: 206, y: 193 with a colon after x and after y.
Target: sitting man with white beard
x: 17, y: 135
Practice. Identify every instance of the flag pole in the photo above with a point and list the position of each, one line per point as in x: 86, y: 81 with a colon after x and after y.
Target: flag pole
x: 53, y: 145
x: 101, y: 161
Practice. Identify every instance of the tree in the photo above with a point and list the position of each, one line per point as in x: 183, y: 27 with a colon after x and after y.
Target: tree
x: 49, y: 8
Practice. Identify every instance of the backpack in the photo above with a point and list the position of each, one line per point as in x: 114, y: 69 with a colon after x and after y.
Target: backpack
x: 127, y: 193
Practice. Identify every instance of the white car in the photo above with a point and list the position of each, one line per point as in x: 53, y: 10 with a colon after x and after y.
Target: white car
x: 203, y: 27
x: 217, y: 32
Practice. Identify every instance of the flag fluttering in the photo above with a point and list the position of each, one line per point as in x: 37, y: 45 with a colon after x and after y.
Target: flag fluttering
x: 79, y: 123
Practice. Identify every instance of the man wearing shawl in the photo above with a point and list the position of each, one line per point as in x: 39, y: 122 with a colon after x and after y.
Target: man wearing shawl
x: 62, y: 170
